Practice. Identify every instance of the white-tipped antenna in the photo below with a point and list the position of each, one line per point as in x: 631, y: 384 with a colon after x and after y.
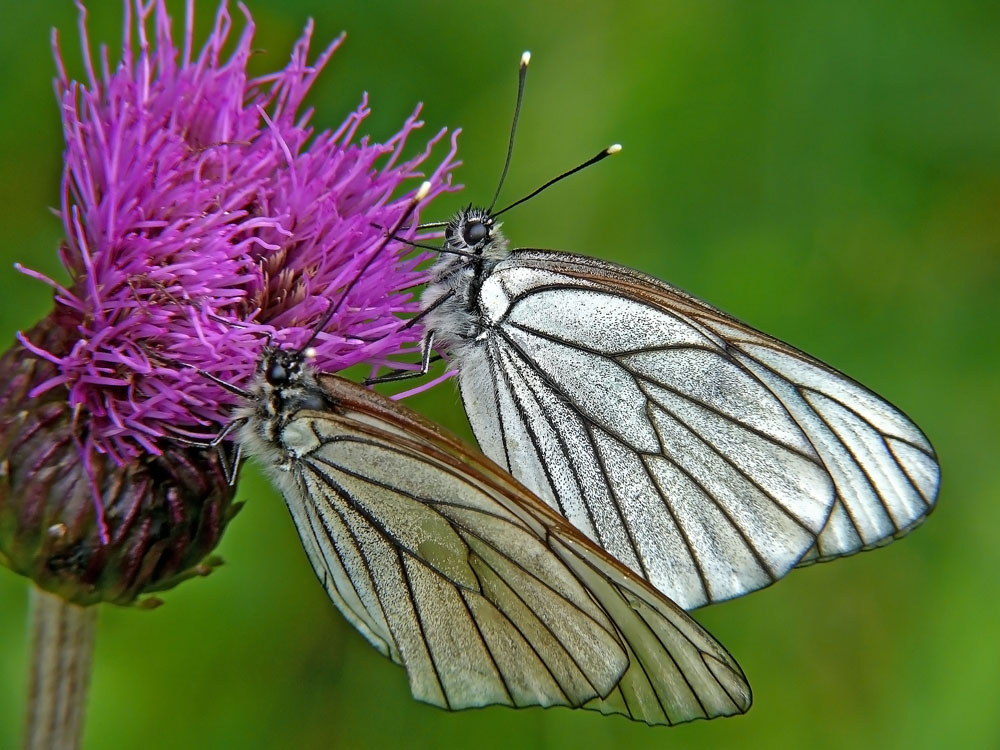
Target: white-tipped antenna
x: 411, y: 206
x: 522, y: 72
x: 603, y: 154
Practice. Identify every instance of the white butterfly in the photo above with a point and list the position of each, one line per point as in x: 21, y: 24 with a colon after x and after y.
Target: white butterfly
x: 455, y: 571
x: 707, y: 456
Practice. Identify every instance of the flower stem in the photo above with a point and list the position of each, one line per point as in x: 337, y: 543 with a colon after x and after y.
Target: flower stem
x: 62, y: 640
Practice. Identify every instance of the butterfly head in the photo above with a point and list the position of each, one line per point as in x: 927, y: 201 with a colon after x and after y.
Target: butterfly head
x: 474, y: 231
x: 286, y: 382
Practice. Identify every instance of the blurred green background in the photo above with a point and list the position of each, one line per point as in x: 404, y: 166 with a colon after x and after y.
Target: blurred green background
x: 828, y: 171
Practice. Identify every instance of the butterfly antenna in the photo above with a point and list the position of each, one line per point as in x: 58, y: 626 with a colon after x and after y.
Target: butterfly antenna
x: 331, y: 309
x: 522, y: 73
x: 609, y: 151
x: 432, y: 248
x: 422, y: 192
x: 165, y: 291
x: 231, y: 387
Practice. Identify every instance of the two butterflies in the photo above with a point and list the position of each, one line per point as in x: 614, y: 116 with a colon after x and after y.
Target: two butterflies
x: 690, y: 458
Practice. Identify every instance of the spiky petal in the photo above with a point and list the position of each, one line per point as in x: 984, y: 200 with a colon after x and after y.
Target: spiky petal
x: 194, y: 193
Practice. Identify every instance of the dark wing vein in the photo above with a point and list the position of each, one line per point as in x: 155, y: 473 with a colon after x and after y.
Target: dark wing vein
x: 719, y: 506
x: 587, y: 427
x: 727, y: 460
x: 362, y: 556
x: 556, y: 388
x: 496, y: 372
x: 397, y: 544
x: 639, y: 378
x: 541, y: 657
x: 882, y: 438
x: 616, y: 503
x: 696, y: 563
x: 452, y: 520
x: 313, y: 518
x: 419, y: 619
x: 872, y: 484
x: 846, y: 445
x: 505, y: 378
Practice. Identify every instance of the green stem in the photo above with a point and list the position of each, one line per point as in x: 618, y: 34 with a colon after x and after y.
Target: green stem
x: 62, y: 640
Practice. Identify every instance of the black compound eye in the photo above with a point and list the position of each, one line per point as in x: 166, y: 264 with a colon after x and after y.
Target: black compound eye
x: 276, y: 374
x: 475, y: 232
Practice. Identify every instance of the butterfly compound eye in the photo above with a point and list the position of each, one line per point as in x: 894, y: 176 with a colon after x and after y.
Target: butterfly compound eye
x: 475, y: 233
x: 276, y: 374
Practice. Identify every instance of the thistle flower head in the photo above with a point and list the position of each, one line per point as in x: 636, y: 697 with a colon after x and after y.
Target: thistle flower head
x: 194, y: 194
x: 203, y: 217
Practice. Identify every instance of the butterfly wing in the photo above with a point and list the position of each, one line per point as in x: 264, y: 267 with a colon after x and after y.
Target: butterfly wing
x: 481, y: 591
x: 707, y: 456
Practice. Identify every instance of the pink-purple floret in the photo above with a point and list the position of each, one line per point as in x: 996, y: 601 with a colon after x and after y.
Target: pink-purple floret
x: 195, y: 194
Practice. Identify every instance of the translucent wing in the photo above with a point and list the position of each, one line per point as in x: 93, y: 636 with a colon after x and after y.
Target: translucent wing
x: 707, y: 456
x: 481, y: 591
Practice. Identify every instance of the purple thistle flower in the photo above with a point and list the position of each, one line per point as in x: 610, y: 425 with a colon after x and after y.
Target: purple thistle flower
x: 193, y: 193
x: 203, y: 217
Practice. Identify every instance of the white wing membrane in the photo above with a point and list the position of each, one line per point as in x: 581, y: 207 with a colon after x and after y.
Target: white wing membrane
x: 479, y: 590
x: 706, y: 456
x: 885, y: 470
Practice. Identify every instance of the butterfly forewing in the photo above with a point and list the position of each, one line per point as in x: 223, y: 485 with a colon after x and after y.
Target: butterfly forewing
x: 481, y: 591
x: 707, y: 456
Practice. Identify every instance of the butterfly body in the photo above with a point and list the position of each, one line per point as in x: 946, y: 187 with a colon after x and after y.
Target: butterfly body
x: 452, y: 297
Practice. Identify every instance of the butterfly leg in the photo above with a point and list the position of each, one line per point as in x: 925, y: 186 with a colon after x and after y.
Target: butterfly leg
x: 416, y: 318
x: 230, y: 467
x: 423, y: 313
x: 426, y: 354
x: 426, y: 346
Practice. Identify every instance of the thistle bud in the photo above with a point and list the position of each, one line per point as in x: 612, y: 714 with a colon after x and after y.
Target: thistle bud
x: 160, y: 515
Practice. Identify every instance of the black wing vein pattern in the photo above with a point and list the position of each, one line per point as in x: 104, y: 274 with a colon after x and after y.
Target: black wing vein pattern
x: 708, y: 457
x: 477, y: 555
x: 485, y: 595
